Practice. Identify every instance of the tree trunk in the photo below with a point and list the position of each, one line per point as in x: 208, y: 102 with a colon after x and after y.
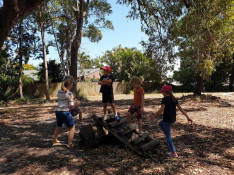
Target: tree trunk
x: 68, y: 45
x: 60, y: 52
x: 199, y: 85
x: 231, y: 78
x: 91, y: 136
x: 44, y: 57
x: 20, y: 61
x: 11, y: 11
x: 76, y: 44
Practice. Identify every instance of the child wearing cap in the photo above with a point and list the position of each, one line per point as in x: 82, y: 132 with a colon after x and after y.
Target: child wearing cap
x: 137, y: 106
x: 106, y: 82
x: 168, y: 109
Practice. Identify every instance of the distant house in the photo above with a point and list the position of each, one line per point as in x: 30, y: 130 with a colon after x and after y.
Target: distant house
x: 84, y: 74
x: 32, y: 74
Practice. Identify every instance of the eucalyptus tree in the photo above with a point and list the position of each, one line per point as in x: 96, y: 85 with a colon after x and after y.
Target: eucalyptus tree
x: 63, y: 28
x: 207, y: 30
x: 22, y: 43
x: 89, y: 17
x: 11, y: 11
x: 202, y: 26
x: 41, y: 16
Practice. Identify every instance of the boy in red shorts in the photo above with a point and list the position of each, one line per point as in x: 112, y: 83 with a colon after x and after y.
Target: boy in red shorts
x: 138, y: 103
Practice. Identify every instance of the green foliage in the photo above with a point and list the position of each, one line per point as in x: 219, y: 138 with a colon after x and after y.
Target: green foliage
x: 8, y: 111
x: 29, y: 67
x: 81, y: 95
x: 54, y: 72
x: 202, y: 27
x: 8, y: 76
x: 24, y: 100
x: 64, y: 22
x: 129, y: 62
x: 187, y: 74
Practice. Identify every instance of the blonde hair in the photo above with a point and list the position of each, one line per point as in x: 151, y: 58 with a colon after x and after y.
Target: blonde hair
x: 66, y: 84
x: 136, y: 79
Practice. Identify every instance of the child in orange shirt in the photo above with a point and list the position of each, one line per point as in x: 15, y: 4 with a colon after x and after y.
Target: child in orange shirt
x: 138, y: 103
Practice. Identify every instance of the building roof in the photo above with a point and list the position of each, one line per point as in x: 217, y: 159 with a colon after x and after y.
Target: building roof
x: 86, y: 72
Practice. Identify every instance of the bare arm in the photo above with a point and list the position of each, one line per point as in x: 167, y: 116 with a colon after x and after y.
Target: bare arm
x: 142, y: 102
x: 159, y: 112
x: 105, y: 82
x: 100, y: 83
x: 184, y: 113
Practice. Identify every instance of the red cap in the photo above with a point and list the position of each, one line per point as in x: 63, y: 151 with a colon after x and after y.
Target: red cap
x: 166, y: 88
x: 106, y: 68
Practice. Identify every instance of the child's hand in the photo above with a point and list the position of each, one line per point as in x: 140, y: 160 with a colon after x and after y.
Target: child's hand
x: 142, y: 109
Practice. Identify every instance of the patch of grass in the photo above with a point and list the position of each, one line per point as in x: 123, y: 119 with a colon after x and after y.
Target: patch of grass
x: 26, y: 99
x: 81, y: 95
x: 8, y: 111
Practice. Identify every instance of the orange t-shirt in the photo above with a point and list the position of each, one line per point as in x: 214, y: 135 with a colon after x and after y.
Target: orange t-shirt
x: 138, y: 92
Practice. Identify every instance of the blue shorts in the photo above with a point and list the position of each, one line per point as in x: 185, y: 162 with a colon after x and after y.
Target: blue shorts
x: 64, y: 117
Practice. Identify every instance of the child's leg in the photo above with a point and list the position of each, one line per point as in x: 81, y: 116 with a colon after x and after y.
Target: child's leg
x: 71, y: 135
x: 139, y: 125
x: 105, y: 108
x: 56, y: 133
x: 113, y: 108
x: 166, y: 128
x: 80, y: 116
x: 129, y: 115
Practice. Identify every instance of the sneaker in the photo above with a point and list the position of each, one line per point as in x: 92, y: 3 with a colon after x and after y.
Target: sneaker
x: 172, y: 154
x: 117, y: 118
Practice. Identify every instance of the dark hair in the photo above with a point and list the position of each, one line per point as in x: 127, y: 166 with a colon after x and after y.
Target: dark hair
x: 66, y: 84
x: 171, y: 95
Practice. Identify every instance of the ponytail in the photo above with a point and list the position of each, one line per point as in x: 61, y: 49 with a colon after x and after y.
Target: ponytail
x: 172, y: 96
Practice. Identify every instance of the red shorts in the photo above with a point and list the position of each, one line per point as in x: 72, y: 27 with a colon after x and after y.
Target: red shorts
x: 135, y: 109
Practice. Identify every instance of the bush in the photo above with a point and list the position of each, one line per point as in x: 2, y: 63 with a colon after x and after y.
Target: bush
x: 81, y: 95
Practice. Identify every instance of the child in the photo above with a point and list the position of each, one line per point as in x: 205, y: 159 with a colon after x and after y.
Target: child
x: 168, y: 109
x: 106, y: 82
x: 138, y: 103
x: 63, y: 115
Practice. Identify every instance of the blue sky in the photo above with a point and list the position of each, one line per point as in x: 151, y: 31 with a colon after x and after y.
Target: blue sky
x: 126, y: 33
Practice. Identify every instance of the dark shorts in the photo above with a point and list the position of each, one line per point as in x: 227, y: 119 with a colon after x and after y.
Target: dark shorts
x: 64, y: 117
x: 135, y: 109
x: 107, y: 98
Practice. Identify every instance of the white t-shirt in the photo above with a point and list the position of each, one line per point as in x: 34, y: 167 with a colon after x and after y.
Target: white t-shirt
x: 65, y: 99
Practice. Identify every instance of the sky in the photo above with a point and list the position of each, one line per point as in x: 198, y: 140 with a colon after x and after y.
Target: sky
x: 127, y: 33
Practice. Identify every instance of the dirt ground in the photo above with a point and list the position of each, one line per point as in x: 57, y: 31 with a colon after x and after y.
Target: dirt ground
x: 205, y: 147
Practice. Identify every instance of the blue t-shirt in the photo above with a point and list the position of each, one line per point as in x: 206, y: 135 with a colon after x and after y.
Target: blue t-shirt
x: 105, y: 88
x: 169, y: 114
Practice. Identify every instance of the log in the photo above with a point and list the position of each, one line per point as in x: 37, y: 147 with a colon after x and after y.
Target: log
x: 117, y: 123
x: 139, y: 139
x: 150, y: 145
x: 91, y: 136
x: 127, y: 131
